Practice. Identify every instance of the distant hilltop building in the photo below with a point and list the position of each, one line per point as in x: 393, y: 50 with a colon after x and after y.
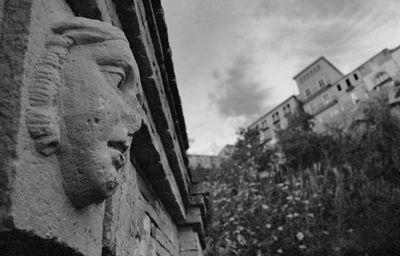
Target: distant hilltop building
x: 276, y: 118
x: 204, y: 161
x: 226, y: 151
x: 210, y: 161
x: 326, y: 93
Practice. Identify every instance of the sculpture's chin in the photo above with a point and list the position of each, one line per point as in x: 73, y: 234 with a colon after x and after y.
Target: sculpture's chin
x: 84, y: 197
x: 88, y: 173
x: 89, y: 186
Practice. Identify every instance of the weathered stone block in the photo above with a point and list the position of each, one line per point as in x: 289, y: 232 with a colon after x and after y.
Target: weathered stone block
x: 189, y: 242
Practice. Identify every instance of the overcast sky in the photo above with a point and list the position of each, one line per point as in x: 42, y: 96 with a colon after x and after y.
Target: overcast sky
x: 234, y: 59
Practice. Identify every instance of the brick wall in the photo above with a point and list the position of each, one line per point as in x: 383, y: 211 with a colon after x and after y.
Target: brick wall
x: 57, y: 196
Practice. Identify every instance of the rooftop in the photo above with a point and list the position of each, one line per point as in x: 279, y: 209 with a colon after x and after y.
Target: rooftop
x: 317, y: 60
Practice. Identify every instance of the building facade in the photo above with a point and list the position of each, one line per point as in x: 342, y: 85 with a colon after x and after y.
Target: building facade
x: 329, y: 96
x: 276, y: 118
x: 331, y: 105
x: 341, y: 99
x: 315, y: 78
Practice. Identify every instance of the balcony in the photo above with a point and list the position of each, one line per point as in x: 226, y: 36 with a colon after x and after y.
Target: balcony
x: 316, y: 94
x: 349, y: 88
x: 394, y: 95
x: 267, y: 138
x: 329, y: 104
x: 266, y: 135
x: 287, y: 114
x: 385, y: 83
x: 264, y: 128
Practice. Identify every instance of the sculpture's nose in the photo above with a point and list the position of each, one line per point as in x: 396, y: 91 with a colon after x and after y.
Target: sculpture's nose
x: 118, y: 144
x: 118, y: 160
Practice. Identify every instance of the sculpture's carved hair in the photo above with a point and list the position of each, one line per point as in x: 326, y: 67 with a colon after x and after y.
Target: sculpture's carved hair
x: 42, y: 115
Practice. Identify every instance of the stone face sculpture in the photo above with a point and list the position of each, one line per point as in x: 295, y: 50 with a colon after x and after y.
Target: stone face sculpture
x: 83, y: 106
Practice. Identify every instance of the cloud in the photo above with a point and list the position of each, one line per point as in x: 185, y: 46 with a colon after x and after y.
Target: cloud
x: 311, y: 28
x: 275, y: 39
x: 237, y: 93
x: 308, y: 10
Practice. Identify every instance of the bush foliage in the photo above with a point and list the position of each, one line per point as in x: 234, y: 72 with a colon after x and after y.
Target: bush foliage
x: 313, y: 194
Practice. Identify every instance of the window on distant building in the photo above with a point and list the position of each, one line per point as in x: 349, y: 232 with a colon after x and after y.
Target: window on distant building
x: 355, y: 76
x: 286, y: 109
x: 308, y: 92
x: 264, y: 124
x: 312, y: 108
x: 339, y: 88
x: 348, y: 82
x: 381, y: 77
x: 321, y: 83
x: 275, y: 117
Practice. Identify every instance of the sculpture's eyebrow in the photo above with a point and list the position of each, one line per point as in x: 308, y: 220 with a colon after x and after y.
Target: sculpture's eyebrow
x: 117, y: 54
x: 126, y: 66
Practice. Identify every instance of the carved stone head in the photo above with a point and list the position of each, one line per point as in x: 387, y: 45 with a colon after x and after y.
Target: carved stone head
x: 84, y: 105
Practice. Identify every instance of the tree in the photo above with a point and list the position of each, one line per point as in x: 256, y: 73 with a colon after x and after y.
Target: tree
x: 300, y: 145
x: 375, y: 137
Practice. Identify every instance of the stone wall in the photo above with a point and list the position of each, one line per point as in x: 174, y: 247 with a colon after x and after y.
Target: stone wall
x: 93, y: 137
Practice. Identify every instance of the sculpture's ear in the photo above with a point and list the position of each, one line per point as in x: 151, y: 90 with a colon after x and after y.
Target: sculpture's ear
x: 44, y: 129
x: 41, y: 116
x: 47, y: 146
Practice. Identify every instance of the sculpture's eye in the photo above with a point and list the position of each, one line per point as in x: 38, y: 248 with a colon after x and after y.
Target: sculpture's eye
x: 121, y: 146
x: 114, y: 76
